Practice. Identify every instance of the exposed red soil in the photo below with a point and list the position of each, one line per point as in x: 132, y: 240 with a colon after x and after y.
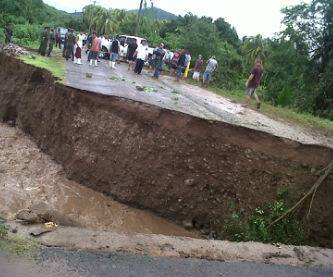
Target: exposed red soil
x: 179, y: 166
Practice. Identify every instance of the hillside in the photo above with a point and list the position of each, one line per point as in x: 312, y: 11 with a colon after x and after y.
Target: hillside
x: 157, y: 13
x: 31, y: 12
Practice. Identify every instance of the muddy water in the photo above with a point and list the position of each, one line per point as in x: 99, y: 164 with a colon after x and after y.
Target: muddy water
x: 29, y: 177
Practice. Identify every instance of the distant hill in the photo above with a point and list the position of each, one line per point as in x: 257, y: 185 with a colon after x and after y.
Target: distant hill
x: 76, y: 14
x: 157, y: 13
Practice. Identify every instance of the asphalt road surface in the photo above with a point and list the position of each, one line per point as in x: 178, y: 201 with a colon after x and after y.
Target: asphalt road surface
x: 59, y: 262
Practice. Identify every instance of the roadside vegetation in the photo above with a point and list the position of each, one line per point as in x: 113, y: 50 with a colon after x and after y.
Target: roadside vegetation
x: 256, y: 226
x: 18, y: 247
x: 54, y: 64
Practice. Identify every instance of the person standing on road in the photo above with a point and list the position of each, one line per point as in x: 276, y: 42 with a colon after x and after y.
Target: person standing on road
x: 65, y: 44
x: 130, y: 54
x: 78, y: 49
x: 141, y: 56
x: 254, y: 81
x: 8, y: 33
x: 114, y: 50
x: 70, y: 45
x: 174, y: 62
x: 95, y: 48
x: 44, y: 41
x: 210, y: 68
x: 187, y: 67
x: 58, y: 38
x: 181, y: 65
x: 51, y: 42
x: 198, y: 68
x: 158, y: 61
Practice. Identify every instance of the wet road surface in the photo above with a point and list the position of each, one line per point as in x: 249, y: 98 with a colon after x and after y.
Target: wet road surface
x: 60, y: 262
x: 183, y: 97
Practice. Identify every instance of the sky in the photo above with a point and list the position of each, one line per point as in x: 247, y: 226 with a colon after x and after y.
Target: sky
x: 249, y: 17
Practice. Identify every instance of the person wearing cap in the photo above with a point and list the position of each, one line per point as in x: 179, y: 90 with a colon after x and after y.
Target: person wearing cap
x: 210, y: 68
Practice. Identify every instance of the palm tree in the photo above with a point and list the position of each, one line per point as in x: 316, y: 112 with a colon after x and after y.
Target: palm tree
x: 139, y: 15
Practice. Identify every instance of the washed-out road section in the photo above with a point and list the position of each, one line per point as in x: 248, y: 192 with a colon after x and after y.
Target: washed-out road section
x: 183, y: 97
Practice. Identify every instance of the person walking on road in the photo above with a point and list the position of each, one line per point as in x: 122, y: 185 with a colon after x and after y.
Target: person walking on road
x: 141, y: 56
x: 95, y: 48
x: 198, y: 68
x: 210, y: 68
x: 8, y: 33
x: 132, y: 46
x: 114, y: 50
x: 51, y: 42
x: 254, y: 81
x: 69, y: 53
x: 158, y: 61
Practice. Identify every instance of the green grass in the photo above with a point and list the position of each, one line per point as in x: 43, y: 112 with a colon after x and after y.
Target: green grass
x: 19, y: 247
x: 54, y: 64
x: 277, y: 112
x: 15, y: 246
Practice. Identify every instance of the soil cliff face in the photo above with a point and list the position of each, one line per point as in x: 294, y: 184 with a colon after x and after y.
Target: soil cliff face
x: 179, y: 166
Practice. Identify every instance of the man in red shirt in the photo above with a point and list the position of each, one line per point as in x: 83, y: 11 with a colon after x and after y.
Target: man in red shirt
x: 95, y: 48
x: 254, y: 81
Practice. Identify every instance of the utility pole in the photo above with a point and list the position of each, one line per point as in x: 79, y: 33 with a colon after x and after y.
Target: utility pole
x: 137, y: 28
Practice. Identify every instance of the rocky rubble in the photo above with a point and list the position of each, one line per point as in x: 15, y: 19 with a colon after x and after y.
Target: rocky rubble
x: 12, y: 50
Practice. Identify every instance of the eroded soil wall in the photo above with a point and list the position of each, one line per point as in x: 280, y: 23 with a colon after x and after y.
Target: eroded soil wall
x: 179, y: 166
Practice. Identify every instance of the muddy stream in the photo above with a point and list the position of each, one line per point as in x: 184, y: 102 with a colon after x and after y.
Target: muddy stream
x: 29, y: 177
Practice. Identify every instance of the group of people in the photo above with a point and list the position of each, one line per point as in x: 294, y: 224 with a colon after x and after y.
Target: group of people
x: 72, y: 44
x: 178, y: 61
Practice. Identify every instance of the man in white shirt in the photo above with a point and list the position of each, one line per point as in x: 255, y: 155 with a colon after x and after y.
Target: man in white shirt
x: 141, y: 56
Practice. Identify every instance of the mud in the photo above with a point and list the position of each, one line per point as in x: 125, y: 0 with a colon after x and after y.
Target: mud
x: 31, y: 181
x: 179, y: 166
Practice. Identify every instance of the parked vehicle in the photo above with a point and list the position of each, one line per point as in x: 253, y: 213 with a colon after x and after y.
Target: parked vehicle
x: 124, y: 40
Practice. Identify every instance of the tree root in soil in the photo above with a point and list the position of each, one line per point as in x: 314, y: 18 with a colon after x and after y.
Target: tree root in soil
x: 312, y: 192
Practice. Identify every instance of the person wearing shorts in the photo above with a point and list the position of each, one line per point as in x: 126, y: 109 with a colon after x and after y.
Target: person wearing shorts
x: 210, y: 68
x: 254, y: 81
x: 198, y: 68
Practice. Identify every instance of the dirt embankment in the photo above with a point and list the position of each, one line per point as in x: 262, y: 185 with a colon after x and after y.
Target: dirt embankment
x: 179, y: 166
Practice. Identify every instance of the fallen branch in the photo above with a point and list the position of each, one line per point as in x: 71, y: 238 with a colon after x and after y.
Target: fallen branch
x: 312, y: 191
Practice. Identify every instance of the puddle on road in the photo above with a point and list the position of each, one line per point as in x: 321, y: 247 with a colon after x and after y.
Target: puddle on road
x: 29, y: 177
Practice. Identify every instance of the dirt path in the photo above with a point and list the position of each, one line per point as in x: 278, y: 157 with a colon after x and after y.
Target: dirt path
x: 185, y: 98
x: 29, y: 177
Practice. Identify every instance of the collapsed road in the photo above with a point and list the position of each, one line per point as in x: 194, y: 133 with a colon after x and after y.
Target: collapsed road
x: 181, y: 167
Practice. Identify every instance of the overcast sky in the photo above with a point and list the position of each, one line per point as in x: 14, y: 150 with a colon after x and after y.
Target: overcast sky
x: 249, y: 17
